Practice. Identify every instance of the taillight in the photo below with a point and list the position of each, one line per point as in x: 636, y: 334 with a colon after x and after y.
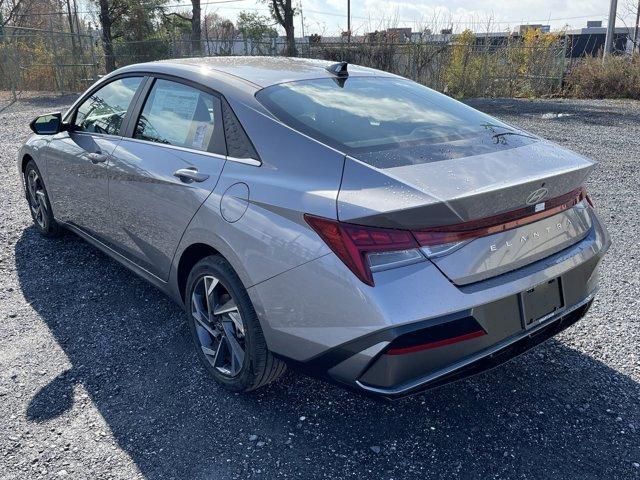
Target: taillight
x: 362, y: 248
x: 589, y: 199
x: 368, y: 249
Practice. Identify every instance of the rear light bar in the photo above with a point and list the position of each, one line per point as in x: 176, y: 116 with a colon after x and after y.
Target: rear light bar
x: 498, y: 223
x: 353, y: 243
x: 589, y: 200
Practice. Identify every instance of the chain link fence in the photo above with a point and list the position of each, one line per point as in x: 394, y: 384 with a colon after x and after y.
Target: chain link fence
x: 461, y: 69
x: 46, y: 60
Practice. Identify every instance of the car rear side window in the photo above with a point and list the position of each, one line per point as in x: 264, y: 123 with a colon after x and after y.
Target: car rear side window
x: 177, y: 114
x: 238, y: 143
x: 368, y: 114
x: 105, y: 109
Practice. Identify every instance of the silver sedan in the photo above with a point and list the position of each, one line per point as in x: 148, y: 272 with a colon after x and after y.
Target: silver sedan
x: 330, y: 217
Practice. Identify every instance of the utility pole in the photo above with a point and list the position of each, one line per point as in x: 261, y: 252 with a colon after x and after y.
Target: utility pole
x: 636, y: 37
x: 348, y: 20
x: 610, y: 37
x: 302, y: 18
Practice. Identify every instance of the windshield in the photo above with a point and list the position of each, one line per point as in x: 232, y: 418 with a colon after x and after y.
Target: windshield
x: 369, y: 114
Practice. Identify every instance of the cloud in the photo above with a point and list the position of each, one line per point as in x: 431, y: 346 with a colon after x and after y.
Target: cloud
x: 328, y: 17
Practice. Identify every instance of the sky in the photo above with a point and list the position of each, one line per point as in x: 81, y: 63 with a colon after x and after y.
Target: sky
x: 329, y: 17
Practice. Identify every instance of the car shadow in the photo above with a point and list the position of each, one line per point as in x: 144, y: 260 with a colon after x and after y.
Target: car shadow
x: 554, y: 412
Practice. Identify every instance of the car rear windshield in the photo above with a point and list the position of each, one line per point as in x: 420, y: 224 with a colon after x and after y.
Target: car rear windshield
x: 369, y: 114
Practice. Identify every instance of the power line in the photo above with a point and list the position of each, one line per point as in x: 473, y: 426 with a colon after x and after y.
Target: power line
x: 468, y: 22
x: 144, y: 7
x: 335, y: 14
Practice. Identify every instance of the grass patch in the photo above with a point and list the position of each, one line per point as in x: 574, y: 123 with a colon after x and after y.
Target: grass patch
x: 616, y: 77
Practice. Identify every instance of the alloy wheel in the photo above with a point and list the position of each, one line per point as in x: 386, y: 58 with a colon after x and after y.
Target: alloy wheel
x: 37, y: 198
x: 219, y: 326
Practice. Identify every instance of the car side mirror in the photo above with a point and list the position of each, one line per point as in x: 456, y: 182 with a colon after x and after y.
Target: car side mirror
x: 48, y: 124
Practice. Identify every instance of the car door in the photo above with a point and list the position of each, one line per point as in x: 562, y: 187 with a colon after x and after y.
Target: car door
x: 79, y: 158
x: 164, y: 169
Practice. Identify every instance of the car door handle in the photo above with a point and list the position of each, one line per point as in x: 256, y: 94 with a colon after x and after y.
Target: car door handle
x: 97, y: 157
x: 189, y: 175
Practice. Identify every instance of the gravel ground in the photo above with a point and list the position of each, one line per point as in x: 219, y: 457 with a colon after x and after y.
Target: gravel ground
x: 98, y: 378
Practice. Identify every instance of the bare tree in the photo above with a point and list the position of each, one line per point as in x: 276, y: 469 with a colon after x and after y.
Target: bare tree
x: 631, y: 8
x: 196, y: 24
x: 636, y: 35
x: 71, y: 27
x: 283, y: 13
x: 111, y: 11
x: 106, y: 22
x: 218, y: 27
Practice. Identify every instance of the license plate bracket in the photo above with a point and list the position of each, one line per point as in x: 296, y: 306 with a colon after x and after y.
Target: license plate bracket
x: 540, y: 301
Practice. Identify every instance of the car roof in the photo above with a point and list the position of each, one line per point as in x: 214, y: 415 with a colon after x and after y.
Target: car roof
x: 264, y: 71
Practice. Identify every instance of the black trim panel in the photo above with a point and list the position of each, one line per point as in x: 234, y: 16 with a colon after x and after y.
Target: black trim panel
x: 436, y: 333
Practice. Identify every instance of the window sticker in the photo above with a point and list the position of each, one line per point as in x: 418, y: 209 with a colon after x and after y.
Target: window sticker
x: 181, y: 102
x: 199, y: 135
x: 177, y: 109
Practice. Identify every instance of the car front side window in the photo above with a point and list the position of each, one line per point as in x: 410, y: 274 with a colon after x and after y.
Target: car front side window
x: 179, y: 115
x: 104, y: 111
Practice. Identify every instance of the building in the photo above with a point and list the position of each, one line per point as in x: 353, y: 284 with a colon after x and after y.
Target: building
x: 398, y: 34
x: 522, y: 29
x: 584, y: 42
x: 580, y: 42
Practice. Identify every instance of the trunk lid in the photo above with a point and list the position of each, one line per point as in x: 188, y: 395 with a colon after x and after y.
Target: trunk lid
x: 493, y: 255
x: 449, y: 191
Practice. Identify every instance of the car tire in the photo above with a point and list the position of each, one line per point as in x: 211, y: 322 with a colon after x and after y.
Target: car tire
x: 39, y: 204
x: 222, y: 318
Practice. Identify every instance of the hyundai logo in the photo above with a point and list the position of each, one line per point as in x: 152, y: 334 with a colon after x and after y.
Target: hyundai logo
x: 537, y: 196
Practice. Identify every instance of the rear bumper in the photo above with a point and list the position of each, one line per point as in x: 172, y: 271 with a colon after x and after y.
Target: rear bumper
x: 486, y: 359
x: 368, y: 365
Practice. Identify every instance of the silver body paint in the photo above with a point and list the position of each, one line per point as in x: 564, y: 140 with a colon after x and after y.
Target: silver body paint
x: 307, y: 300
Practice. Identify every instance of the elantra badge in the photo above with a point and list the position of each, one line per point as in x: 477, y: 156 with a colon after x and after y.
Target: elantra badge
x: 533, y: 235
